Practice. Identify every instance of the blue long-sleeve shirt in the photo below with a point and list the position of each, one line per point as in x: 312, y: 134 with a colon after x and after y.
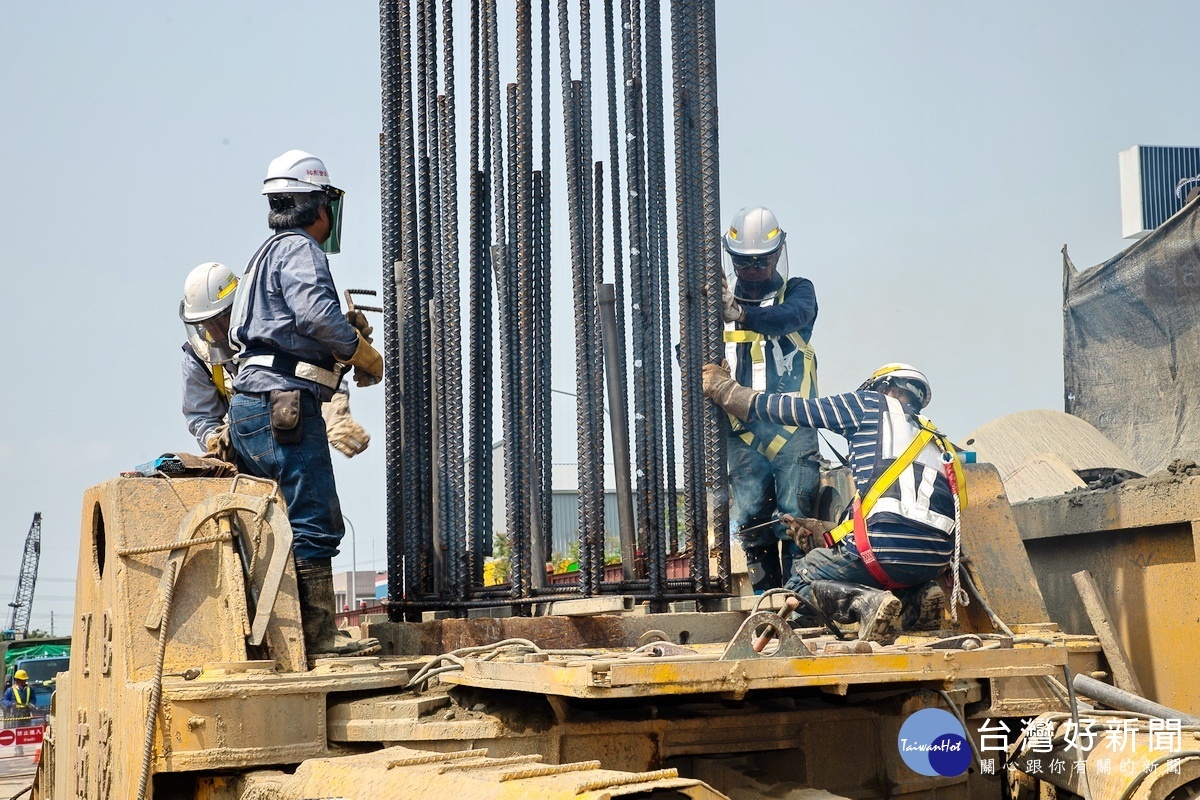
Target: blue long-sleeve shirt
x: 293, y: 308
x: 203, y: 406
x: 9, y: 700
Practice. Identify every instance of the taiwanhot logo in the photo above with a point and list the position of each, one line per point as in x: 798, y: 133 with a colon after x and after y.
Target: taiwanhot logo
x: 932, y: 742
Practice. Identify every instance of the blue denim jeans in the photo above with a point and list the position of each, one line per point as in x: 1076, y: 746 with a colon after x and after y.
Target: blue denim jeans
x: 841, y: 563
x: 304, y: 470
x: 762, y: 487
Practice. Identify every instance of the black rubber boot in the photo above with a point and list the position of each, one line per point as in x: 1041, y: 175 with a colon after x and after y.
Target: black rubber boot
x: 314, y: 582
x: 762, y: 566
x: 923, y: 607
x: 873, y: 609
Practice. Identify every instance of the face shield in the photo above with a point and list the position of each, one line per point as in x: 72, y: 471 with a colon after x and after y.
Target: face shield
x: 333, y: 242
x: 210, y: 338
x: 756, y: 277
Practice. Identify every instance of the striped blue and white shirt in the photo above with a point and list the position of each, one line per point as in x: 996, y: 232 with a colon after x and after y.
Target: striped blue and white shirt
x: 913, y: 522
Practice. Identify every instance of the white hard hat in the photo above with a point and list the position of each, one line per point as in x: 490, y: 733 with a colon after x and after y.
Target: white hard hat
x: 296, y: 171
x: 207, y: 292
x: 754, y: 232
x: 906, y: 376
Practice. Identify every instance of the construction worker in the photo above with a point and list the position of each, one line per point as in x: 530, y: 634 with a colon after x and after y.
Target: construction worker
x: 773, y: 469
x: 209, y: 367
x: 18, y: 700
x: 901, y: 536
x: 293, y: 345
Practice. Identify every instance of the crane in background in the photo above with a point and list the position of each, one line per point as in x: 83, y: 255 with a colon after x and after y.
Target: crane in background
x: 22, y: 603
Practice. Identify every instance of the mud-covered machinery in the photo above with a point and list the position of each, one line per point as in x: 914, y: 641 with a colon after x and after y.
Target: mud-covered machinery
x: 189, y: 680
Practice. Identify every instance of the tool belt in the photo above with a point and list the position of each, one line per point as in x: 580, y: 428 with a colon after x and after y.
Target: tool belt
x: 327, y: 373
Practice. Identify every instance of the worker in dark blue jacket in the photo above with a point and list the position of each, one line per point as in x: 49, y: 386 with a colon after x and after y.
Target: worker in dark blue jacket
x: 773, y: 469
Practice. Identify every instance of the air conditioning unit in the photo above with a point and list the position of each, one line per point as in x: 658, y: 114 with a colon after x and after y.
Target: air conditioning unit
x: 1149, y: 176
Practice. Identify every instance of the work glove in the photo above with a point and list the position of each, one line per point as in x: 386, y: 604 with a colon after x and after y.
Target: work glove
x: 344, y: 434
x: 359, y: 320
x: 731, y: 309
x: 805, y: 531
x: 367, y: 363
x: 219, y: 443
x: 726, y: 392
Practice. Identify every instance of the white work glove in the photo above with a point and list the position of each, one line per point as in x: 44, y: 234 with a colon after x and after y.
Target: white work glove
x: 344, y: 434
x: 219, y: 443
x: 731, y: 309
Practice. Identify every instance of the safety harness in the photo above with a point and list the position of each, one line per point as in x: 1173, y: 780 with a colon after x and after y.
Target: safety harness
x: 770, y: 446
x: 220, y: 375
x: 327, y: 373
x: 862, y: 506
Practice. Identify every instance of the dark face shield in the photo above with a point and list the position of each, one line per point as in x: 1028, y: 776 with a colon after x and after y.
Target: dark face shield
x: 333, y: 242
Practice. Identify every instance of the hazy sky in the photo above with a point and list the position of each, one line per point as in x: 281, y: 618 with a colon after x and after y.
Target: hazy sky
x: 928, y: 160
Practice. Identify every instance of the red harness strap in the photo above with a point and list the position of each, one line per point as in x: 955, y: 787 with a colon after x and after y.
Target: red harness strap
x: 863, y: 543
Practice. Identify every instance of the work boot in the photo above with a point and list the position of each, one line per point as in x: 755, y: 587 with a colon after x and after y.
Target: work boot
x: 314, y: 581
x: 923, y: 607
x: 873, y: 609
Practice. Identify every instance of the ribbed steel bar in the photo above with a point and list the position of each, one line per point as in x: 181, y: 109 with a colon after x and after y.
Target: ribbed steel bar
x: 683, y: 48
x: 427, y: 258
x: 458, y: 554
x: 479, y: 479
x: 614, y: 164
x: 715, y: 469
x: 510, y: 377
x: 644, y: 303
x: 579, y: 279
x: 542, y: 360
x: 656, y: 188
x: 593, y: 546
x: 595, y: 269
x: 533, y: 530
x: 415, y: 530
x: 656, y: 269
x: 390, y: 164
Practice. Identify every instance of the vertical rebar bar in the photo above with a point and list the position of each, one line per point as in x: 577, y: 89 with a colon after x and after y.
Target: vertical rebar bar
x: 715, y: 440
x: 510, y: 374
x: 452, y: 328
x: 690, y: 285
x: 391, y: 147
x: 656, y: 188
x: 480, y: 347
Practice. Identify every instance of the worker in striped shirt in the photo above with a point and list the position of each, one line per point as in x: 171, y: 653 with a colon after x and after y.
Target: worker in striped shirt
x: 908, y: 533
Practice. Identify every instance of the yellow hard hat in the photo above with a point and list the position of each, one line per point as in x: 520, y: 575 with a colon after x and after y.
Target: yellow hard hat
x: 20, y: 675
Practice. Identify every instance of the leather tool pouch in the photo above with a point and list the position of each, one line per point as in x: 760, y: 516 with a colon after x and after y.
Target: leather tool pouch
x: 285, y: 416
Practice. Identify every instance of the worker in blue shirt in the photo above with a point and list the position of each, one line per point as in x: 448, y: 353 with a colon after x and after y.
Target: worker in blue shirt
x: 209, y: 368
x: 293, y: 345
x: 18, y: 699
x: 773, y: 469
x: 908, y: 535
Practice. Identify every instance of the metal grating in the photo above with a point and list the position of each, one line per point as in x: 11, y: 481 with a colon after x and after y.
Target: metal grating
x: 1149, y: 176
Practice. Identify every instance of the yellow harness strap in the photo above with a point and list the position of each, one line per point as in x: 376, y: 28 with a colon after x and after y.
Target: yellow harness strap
x: 218, y: 377
x: 884, y: 482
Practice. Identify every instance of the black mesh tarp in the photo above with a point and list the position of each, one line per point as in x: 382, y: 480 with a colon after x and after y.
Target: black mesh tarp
x: 1131, y: 343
